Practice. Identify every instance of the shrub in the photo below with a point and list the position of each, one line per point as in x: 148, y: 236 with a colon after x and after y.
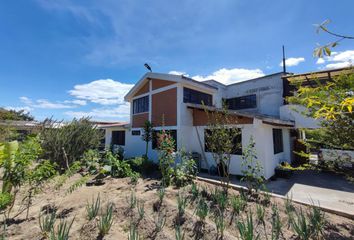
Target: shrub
x: 46, y: 223
x: 118, y: 168
x: 90, y: 159
x: 106, y: 221
x: 93, y: 208
x: 67, y: 143
x: 166, y: 156
x: 185, y: 171
x: 62, y: 231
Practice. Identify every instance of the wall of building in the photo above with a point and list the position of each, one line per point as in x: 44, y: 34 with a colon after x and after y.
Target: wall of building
x: 269, y: 91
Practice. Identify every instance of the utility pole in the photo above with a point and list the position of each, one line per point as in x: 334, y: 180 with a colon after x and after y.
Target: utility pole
x: 284, y: 66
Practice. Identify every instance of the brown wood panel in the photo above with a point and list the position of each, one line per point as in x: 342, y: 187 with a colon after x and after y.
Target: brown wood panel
x: 164, y: 108
x: 157, y: 83
x: 200, y: 118
x: 139, y: 119
x: 143, y: 89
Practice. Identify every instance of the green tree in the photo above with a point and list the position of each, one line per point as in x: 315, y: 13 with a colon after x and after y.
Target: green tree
x: 166, y: 158
x: 332, y: 104
x: 14, y: 115
x: 147, y: 135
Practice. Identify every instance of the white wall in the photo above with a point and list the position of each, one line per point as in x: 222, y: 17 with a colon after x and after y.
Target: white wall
x: 269, y: 91
x: 293, y: 113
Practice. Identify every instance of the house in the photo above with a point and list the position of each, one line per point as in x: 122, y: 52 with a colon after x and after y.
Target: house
x: 174, y: 103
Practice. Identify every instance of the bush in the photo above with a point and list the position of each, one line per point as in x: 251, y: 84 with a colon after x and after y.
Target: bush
x: 185, y: 171
x: 118, y: 168
x: 90, y: 160
x: 66, y: 144
x: 5, y: 200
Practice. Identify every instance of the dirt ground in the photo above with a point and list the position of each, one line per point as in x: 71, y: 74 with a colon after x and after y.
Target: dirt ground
x: 117, y: 191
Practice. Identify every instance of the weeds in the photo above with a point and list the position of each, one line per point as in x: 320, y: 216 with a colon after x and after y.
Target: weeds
x: 141, y: 210
x: 160, y: 222
x: 106, y: 221
x: 178, y: 232
x: 246, y: 230
x: 93, y: 208
x: 276, y: 223
x: 62, y: 232
x: 46, y: 223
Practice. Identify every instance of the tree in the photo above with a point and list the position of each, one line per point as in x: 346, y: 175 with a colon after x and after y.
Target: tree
x: 147, y: 135
x: 221, y: 136
x: 14, y: 115
x: 332, y: 104
x: 325, y: 50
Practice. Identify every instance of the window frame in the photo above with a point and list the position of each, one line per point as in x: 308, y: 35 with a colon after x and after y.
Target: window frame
x: 141, y: 105
x: 120, y: 139
x: 194, y: 96
x: 278, y: 142
x: 136, y: 132
x: 235, y: 103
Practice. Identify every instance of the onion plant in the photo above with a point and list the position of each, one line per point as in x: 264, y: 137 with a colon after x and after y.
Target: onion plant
x: 106, y: 220
x: 46, y: 223
x: 62, y: 231
x: 246, y: 229
x: 93, y: 208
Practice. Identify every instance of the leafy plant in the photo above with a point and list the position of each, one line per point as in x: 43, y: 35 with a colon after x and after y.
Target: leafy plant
x: 5, y: 200
x: 62, y: 231
x: 90, y: 159
x: 106, y: 220
x: 93, y: 208
x: 46, y: 223
x: 184, y: 171
x: 246, y: 229
x: 166, y: 158
x: 252, y: 169
x: 276, y: 223
x: 160, y: 222
x: 77, y: 184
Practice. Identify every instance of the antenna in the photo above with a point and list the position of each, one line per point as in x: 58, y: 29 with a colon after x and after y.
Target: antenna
x: 284, y: 66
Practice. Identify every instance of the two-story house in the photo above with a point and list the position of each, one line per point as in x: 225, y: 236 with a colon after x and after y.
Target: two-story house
x: 174, y: 102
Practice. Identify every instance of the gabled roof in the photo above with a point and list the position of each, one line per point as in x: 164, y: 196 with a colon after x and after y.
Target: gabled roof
x: 166, y: 77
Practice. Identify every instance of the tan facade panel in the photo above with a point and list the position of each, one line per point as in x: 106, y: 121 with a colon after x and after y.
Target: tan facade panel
x: 143, y: 89
x: 164, y: 108
x: 139, y: 119
x: 157, y: 83
x: 201, y: 118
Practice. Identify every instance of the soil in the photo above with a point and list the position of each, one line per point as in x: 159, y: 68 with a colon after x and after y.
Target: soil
x: 118, y: 191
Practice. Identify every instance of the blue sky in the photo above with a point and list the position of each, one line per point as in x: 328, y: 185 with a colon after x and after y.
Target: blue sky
x: 78, y: 58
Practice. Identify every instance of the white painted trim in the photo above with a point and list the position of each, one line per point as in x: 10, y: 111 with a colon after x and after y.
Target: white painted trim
x: 164, y: 89
x: 140, y: 96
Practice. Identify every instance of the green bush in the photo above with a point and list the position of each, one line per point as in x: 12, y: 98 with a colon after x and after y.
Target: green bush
x: 117, y: 168
x: 90, y: 160
x: 185, y: 171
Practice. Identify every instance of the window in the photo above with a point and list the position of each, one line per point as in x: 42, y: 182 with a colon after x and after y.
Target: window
x: 136, y: 132
x: 193, y: 96
x: 237, y: 142
x: 102, y: 140
x: 118, y: 138
x: 155, y: 138
x: 141, y: 105
x: 277, y: 140
x: 243, y: 102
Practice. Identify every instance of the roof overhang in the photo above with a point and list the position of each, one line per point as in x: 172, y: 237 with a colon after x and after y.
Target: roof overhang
x: 113, y: 125
x: 266, y: 119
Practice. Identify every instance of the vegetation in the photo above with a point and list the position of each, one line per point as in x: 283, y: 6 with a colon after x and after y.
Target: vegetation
x: 106, y: 220
x: 14, y: 115
x: 166, y: 157
x: 62, y: 231
x: 147, y: 136
x: 67, y: 143
x: 93, y: 208
x: 246, y: 229
x: 46, y: 223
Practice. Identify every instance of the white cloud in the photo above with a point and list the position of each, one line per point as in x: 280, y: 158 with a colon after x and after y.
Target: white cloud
x: 26, y: 109
x: 233, y: 75
x: 338, y: 59
x: 290, y: 62
x: 77, y: 102
x: 320, y: 61
x: 103, y: 91
x: 121, y: 112
x: 45, y: 104
x: 178, y: 73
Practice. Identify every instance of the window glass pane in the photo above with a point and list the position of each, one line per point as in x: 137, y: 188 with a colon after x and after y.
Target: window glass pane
x: 193, y: 96
x: 243, y: 102
x: 136, y: 132
x: 141, y: 105
x: 118, y: 138
x: 277, y: 140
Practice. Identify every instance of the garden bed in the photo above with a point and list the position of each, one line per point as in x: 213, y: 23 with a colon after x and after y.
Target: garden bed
x: 118, y: 191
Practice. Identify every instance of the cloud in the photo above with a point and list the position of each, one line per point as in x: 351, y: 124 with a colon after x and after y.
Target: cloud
x: 233, y: 75
x: 45, y: 104
x: 290, y: 62
x: 103, y: 91
x: 122, y: 112
x: 178, y: 73
x: 26, y: 109
x: 77, y: 102
x: 338, y: 59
